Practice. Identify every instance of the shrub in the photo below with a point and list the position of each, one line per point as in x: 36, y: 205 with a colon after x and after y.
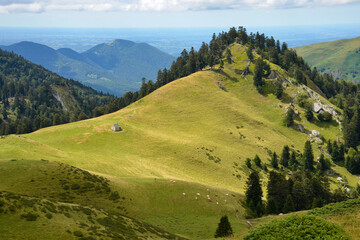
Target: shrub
x: 298, y: 227
x: 30, y: 216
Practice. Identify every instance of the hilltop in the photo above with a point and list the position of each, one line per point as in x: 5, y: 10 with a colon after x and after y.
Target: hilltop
x: 190, y: 136
x: 340, y: 58
x: 115, y: 67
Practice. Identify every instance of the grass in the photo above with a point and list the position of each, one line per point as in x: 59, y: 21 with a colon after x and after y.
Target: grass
x: 189, y: 131
x: 341, y: 57
x: 23, y: 217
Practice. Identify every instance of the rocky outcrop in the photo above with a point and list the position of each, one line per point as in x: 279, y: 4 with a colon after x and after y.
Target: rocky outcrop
x: 58, y: 98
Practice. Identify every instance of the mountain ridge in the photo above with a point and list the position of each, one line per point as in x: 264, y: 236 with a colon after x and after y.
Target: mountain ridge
x: 114, y: 67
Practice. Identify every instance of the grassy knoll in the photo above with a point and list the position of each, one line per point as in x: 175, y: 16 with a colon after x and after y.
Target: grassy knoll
x: 341, y: 57
x: 190, y: 131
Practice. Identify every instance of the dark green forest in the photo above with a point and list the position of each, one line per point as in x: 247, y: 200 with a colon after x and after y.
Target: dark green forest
x: 27, y: 100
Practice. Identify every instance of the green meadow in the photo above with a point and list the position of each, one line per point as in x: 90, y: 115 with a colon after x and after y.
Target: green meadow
x: 184, y: 141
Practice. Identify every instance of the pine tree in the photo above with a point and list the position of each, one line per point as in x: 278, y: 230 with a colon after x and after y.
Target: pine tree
x: 289, y: 205
x: 248, y: 163
x: 289, y: 119
x: 285, y: 156
x: 258, y: 73
x: 274, y: 161
x: 335, y: 152
x: 323, y: 166
x: 228, y: 56
x: 257, y: 161
x: 271, y: 207
x: 309, y: 114
x: 221, y: 64
x: 253, y: 189
x: 277, y: 189
x: 292, y: 160
x: 299, y: 196
x: 249, y: 53
x: 329, y: 146
x: 308, y: 156
x: 224, y: 228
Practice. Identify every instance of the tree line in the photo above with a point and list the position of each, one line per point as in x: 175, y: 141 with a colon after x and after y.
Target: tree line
x: 307, y: 187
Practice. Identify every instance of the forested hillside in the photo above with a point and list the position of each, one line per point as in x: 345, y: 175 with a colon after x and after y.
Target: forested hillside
x: 32, y: 97
x: 114, y: 67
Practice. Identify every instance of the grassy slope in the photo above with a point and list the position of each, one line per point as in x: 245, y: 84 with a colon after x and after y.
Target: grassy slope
x: 342, y: 55
x: 177, y: 132
x: 23, y: 217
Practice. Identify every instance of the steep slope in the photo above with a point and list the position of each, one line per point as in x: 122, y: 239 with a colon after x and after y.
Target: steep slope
x: 197, y: 131
x: 115, y: 67
x: 340, y: 58
x: 33, y: 97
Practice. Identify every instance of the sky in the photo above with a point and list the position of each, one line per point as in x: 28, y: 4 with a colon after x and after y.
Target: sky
x: 176, y: 13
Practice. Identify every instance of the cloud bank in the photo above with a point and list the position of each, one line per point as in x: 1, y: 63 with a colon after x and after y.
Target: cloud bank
x: 38, y: 6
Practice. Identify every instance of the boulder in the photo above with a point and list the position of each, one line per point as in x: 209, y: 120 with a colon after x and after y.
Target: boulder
x: 317, y: 107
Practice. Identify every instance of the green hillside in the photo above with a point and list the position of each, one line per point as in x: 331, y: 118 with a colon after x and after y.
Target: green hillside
x: 340, y: 58
x: 190, y: 136
x: 115, y: 67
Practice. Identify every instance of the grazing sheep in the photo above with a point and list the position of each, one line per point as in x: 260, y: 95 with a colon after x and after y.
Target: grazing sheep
x: 217, y: 203
x: 196, y: 198
x: 184, y: 194
x: 198, y: 194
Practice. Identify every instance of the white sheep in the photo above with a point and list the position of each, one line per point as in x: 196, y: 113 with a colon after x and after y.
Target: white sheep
x: 184, y: 194
x: 198, y: 194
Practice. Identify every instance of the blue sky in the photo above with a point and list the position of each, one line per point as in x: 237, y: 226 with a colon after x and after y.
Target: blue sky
x: 176, y: 13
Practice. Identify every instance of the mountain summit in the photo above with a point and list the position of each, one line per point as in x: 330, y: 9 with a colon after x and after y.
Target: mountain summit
x: 114, y: 67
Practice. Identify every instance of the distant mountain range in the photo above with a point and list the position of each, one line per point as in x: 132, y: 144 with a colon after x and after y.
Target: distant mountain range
x: 115, y: 67
x: 341, y: 58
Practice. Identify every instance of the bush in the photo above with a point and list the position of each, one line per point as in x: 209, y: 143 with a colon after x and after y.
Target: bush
x: 30, y: 216
x: 298, y: 227
x: 325, y: 117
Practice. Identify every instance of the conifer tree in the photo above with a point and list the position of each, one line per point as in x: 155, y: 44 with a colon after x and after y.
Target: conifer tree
x: 228, y: 56
x: 274, y: 161
x: 277, y: 189
x: 258, y: 73
x: 289, y: 205
x: 271, y: 207
x: 329, y: 146
x: 224, y: 228
x: 249, y: 53
x: 289, y: 119
x: 292, y: 160
x: 299, y: 196
x: 248, y: 163
x: 257, y: 160
x: 285, y: 156
x: 308, y: 156
x: 253, y: 189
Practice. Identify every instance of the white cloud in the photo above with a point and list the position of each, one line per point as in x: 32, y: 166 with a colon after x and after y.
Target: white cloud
x: 14, y: 6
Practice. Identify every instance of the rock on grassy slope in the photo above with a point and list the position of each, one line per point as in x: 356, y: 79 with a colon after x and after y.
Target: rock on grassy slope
x: 190, y: 131
x: 340, y: 58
